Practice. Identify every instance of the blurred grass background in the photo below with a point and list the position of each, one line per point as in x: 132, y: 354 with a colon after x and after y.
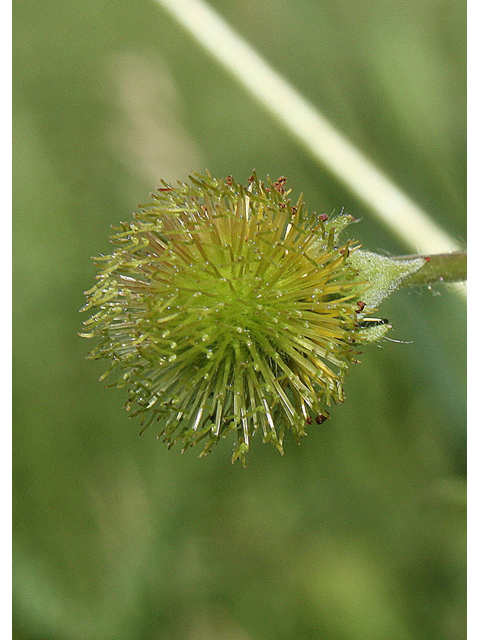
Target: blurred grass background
x: 357, y: 534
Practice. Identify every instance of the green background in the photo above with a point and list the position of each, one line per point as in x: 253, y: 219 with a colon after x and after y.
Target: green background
x: 357, y: 534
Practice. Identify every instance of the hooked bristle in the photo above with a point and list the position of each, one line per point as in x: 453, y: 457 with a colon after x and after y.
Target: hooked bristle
x: 228, y: 309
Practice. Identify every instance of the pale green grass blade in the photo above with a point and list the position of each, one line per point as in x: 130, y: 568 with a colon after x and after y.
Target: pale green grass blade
x: 395, y: 209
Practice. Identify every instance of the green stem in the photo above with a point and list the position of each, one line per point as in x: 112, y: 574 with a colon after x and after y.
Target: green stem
x: 441, y: 267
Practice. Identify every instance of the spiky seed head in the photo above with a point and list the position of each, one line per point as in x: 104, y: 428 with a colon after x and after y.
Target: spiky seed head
x: 226, y: 308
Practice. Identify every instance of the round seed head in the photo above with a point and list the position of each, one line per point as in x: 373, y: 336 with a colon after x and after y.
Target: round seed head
x: 226, y: 308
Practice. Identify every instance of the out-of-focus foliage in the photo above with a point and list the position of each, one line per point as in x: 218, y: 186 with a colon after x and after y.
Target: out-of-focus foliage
x: 356, y: 534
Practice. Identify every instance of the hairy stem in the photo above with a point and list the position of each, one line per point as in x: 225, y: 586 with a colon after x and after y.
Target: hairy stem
x: 441, y: 267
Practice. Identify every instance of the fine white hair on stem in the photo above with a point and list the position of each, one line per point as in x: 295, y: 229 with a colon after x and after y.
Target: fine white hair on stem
x: 405, y: 219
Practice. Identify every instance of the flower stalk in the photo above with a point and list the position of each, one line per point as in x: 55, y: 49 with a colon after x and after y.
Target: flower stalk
x: 439, y: 268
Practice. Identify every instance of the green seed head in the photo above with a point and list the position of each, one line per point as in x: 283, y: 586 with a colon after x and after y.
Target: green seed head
x: 228, y: 308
